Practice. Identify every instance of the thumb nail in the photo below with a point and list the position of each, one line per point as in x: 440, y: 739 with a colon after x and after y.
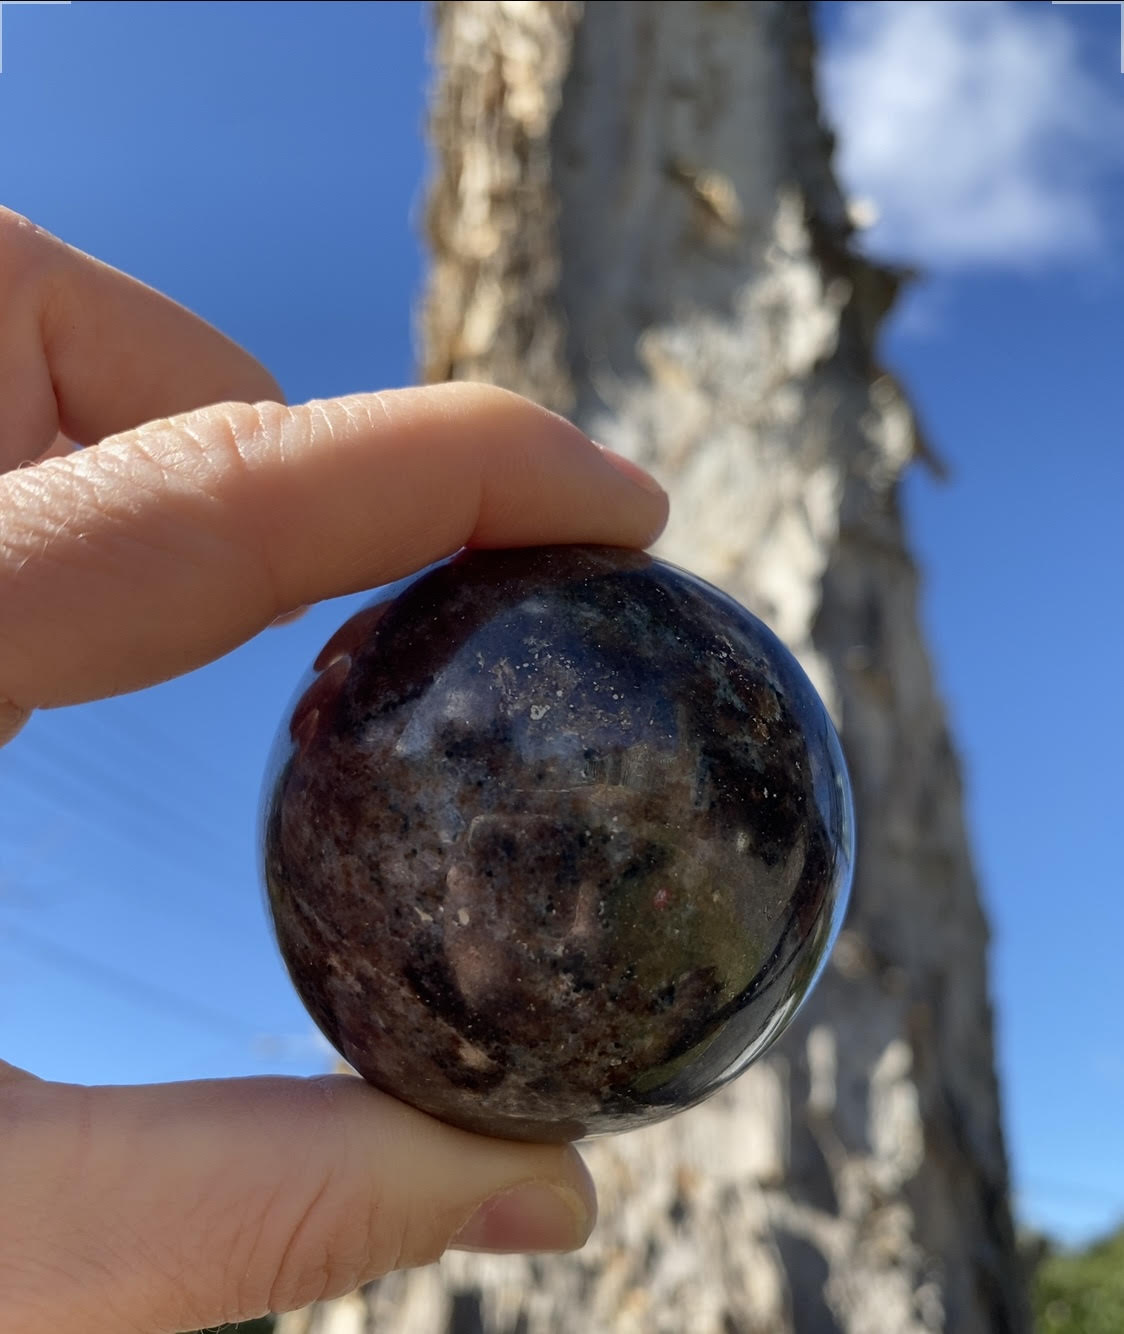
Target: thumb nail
x: 527, y: 1219
x: 631, y: 470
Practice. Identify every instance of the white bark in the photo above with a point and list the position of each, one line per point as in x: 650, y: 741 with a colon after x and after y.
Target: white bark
x: 635, y: 221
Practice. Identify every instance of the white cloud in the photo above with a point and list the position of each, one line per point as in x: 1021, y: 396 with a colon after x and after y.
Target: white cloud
x: 974, y: 128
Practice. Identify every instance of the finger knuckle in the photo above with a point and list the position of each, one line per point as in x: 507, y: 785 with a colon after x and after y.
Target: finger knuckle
x: 321, y: 1250
x: 18, y: 233
x: 350, y: 1227
x: 28, y: 254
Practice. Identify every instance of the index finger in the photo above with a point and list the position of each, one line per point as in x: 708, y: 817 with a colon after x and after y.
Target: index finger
x: 89, y: 351
x: 169, y: 545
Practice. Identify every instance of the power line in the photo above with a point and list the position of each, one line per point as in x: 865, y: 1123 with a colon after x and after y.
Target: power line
x: 124, y: 786
x: 152, y: 847
x: 148, y: 738
x: 131, y: 891
x: 186, y: 1009
x: 66, y: 768
x: 231, y: 1027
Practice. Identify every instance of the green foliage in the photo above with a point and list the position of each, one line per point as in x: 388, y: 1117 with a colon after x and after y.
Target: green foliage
x: 1081, y: 1292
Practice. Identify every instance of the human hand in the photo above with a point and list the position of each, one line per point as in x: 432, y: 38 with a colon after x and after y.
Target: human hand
x: 181, y: 532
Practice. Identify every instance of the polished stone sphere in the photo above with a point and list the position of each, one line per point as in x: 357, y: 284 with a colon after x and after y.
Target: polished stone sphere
x: 556, y: 841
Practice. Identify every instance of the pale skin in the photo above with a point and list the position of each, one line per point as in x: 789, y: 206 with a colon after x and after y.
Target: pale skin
x: 199, y: 511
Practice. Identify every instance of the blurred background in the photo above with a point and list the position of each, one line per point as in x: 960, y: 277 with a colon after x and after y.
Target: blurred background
x: 263, y: 164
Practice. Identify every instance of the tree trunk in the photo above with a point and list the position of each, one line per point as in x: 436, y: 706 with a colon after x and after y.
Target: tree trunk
x: 634, y: 220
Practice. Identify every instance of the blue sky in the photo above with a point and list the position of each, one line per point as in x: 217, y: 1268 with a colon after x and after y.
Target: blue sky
x: 262, y: 164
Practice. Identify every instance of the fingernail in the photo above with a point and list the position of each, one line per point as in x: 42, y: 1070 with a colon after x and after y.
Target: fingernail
x: 631, y: 470
x: 525, y: 1220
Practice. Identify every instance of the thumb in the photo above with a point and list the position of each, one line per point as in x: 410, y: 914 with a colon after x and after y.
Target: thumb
x: 174, y: 1206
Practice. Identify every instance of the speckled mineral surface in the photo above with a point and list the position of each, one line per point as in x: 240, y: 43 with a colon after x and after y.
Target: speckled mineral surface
x: 556, y: 841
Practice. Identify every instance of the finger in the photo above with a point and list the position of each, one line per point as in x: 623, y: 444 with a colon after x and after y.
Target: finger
x: 59, y: 448
x: 185, y: 1205
x: 89, y: 351
x: 168, y: 546
x: 12, y: 719
x: 11, y: 1075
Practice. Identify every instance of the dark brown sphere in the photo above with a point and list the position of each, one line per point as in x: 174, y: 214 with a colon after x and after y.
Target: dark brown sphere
x: 556, y: 841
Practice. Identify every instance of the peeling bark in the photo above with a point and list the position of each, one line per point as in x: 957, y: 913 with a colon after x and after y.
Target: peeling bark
x: 635, y: 221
